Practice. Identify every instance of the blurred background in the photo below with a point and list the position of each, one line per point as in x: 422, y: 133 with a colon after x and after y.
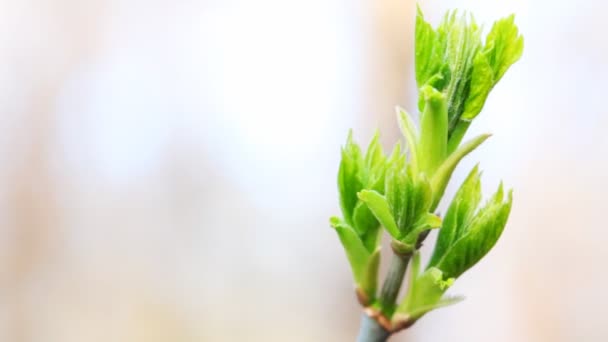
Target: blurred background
x: 167, y: 168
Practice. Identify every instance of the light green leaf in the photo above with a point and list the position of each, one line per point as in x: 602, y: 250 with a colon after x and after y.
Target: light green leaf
x: 363, y: 218
x: 349, y: 177
x: 426, y: 222
x: 369, y: 283
x: 429, y: 53
x: 421, y: 310
x: 408, y: 129
x: 374, y: 156
x: 482, y: 82
x: 453, y: 60
x: 463, y: 39
x: 366, y: 225
x: 402, y: 248
x: 425, y: 292
x: 456, y: 135
x: 356, y: 252
x: 478, y: 237
x: 444, y: 172
x: 380, y: 208
x: 434, y: 130
x: 504, y: 46
x: 459, y: 214
x: 409, y: 197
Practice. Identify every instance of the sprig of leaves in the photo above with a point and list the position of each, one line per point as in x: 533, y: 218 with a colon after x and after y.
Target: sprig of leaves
x: 359, y: 230
x: 469, y: 232
x: 455, y: 72
x: 453, y: 60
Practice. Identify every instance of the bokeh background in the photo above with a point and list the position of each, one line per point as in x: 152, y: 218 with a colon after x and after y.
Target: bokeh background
x: 167, y: 168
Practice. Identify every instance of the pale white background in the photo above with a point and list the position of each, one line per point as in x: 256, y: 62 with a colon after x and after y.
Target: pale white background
x: 167, y: 168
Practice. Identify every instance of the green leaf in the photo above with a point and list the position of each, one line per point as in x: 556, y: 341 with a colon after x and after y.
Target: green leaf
x: 374, y: 156
x: 375, y: 179
x: 456, y: 135
x: 425, y: 292
x: 367, y: 226
x: 463, y: 39
x: 409, y: 197
x: 420, y: 310
x: 459, y: 214
x: 426, y: 222
x: 429, y: 53
x: 349, y: 177
x: 504, y: 46
x: 410, y: 133
x: 453, y: 60
x: 434, y: 130
x: 482, y: 82
x: 444, y: 172
x: 477, y: 237
x: 380, y: 208
x: 356, y: 252
x: 402, y: 247
x: 356, y: 173
x: 363, y: 218
x: 369, y: 282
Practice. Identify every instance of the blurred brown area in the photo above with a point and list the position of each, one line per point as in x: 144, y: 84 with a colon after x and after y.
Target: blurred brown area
x: 168, y: 168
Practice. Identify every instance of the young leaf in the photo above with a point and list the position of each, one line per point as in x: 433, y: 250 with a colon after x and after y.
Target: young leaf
x: 424, y: 293
x: 356, y: 252
x: 426, y: 222
x: 429, y: 53
x: 359, y: 172
x: 444, y: 172
x: 375, y: 155
x: 366, y: 225
x: 453, y: 60
x: 482, y: 82
x: 369, y: 282
x: 408, y: 129
x: 409, y: 197
x: 463, y: 40
x: 349, y: 177
x: 434, y: 130
x: 477, y: 237
x: 456, y: 135
x: 504, y: 46
x: 380, y: 208
x: 459, y: 214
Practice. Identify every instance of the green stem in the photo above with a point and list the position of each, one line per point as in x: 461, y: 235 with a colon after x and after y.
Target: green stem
x: 371, y: 330
x: 393, y: 281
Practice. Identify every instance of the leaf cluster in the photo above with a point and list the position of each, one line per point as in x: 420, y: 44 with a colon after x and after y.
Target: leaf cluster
x: 399, y: 193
